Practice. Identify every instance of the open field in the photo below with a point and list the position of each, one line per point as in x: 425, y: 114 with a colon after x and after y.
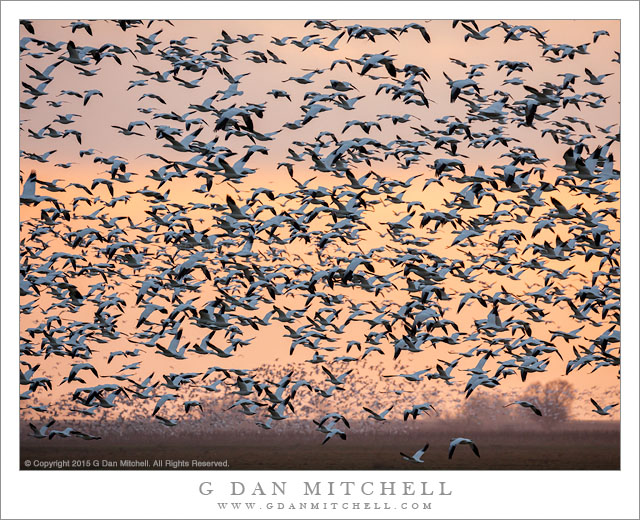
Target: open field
x: 576, y: 445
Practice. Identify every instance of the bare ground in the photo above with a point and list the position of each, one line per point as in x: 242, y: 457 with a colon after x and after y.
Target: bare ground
x: 577, y: 445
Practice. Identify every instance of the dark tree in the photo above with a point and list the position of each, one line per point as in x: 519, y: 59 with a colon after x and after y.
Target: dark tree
x: 553, y: 399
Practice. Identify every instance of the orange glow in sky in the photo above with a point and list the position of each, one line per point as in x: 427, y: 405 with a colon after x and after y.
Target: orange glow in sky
x: 407, y: 194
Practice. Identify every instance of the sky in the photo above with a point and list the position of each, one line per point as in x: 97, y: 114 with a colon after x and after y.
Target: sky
x: 378, y: 237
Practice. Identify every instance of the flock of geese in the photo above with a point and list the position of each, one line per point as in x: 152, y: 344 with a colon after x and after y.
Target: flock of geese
x: 516, y: 268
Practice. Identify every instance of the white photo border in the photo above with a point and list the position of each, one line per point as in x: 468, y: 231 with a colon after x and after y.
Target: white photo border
x: 475, y: 494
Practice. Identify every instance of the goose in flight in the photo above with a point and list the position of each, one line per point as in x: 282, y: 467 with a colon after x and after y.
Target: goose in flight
x: 478, y: 35
x: 41, y: 408
x: 312, y: 111
x: 338, y: 381
x: 328, y: 392
x: 513, y: 66
x: 377, y: 416
x: 280, y: 42
x: 378, y: 60
x: 88, y: 94
x: 511, y: 32
x: 335, y: 417
x: 77, y: 367
x: 361, y: 32
x: 75, y: 56
x: 149, y: 40
x: 183, y: 41
x: 149, y: 309
x: 162, y: 401
x: 266, y: 425
x: 602, y: 411
x: 308, y: 41
x: 331, y: 432
x: 40, y: 134
x: 306, y: 79
x: 458, y: 86
x: 595, y: 80
x: 87, y: 72
x: 418, y: 409
x: 562, y: 212
x: 29, y: 196
x: 322, y: 24
x: 332, y: 46
x: 415, y: 377
x: 277, y: 412
x: 444, y: 374
x: 458, y: 62
x: 150, y: 95
x: 41, y: 433
x: 213, y: 387
x: 68, y: 432
x: 276, y: 93
x: 417, y: 456
x: 526, y: 404
x: 167, y: 422
x: 35, y: 91
x: 91, y: 410
x: 420, y: 28
x: 126, y: 131
x: 45, y: 75
x: 189, y: 405
x: 80, y: 25
x: 43, y: 158
x: 566, y: 335
x: 28, y: 25
x: 66, y: 119
x: 461, y: 441
x: 597, y: 34
x: 248, y: 406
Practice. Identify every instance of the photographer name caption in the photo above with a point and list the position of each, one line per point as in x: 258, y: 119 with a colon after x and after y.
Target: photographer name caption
x: 329, y: 495
x: 124, y: 464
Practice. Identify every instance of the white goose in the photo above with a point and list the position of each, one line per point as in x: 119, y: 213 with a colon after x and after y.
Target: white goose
x: 526, y: 404
x: 377, y: 416
x: 459, y: 441
x: 602, y: 411
x: 417, y: 456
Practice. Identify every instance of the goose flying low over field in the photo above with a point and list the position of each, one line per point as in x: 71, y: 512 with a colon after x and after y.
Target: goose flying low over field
x: 602, y: 411
x: 417, y: 456
x: 461, y: 441
x: 526, y: 404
